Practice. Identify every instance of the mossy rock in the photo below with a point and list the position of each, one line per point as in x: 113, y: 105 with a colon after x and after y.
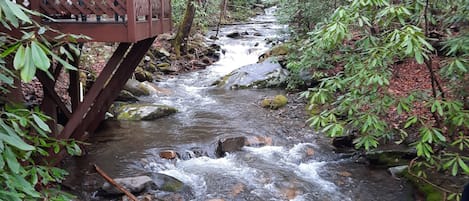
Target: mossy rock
x: 169, y: 184
x: 279, y: 50
x: 143, y: 75
x: 151, y: 67
x: 390, y: 158
x: 145, y: 112
x: 126, y: 96
x: 429, y: 191
x: 275, y: 103
x: 165, y: 67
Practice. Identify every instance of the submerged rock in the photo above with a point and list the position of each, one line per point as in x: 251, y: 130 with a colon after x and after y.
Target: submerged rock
x: 229, y: 145
x: 261, y: 75
x: 132, y: 184
x: 137, y: 112
x: 235, y: 35
x: 176, y: 188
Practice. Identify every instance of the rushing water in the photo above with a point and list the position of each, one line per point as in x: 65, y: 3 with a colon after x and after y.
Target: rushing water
x: 281, y: 171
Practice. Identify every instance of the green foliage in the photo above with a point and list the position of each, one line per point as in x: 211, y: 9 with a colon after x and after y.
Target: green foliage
x: 23, y: 138
x: 363, y: 40
x: 208, y: 12
x: 24, y: 133
x: 303, y: 15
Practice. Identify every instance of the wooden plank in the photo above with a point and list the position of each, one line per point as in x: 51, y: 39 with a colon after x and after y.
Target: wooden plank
x: 90, y: 97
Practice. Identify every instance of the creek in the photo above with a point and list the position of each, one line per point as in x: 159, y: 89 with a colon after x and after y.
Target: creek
x: 299, y: 164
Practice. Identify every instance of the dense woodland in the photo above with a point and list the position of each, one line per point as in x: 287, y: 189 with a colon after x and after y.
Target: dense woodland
x: 385, y: 72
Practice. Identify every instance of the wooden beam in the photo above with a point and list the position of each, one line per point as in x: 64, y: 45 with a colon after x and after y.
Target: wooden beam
x: 113, y: 87
x: 96, y: 88
x: 74, y: 86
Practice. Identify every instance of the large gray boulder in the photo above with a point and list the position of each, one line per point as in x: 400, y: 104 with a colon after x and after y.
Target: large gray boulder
x: 132, y: 184
x: 267, y: 74
x: 141, y: 111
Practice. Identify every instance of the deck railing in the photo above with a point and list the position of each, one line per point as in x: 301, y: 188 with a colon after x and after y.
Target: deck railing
x: 106, y: 20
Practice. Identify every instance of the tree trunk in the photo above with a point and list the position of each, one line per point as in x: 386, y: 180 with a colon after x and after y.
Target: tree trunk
x: 180, y: 42
x: 222, y: 15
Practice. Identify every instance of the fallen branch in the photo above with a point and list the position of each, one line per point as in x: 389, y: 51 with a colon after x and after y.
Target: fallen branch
x: 111, y: 181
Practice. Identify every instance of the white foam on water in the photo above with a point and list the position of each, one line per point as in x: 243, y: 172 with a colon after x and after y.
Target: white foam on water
x: 293, y: 159
x: 309, y: 171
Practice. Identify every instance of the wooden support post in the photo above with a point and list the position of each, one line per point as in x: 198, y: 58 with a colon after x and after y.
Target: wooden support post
x: 74, y: 78
x: 74, y: 88
x: 113, y: 88
x: 90, y: 97
x: 51, y: 101
x: 49, y: 105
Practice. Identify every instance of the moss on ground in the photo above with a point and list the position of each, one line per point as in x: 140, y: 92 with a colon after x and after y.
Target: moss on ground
x: 429, y: 191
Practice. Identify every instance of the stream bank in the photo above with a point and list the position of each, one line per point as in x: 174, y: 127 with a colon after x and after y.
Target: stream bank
x: 295, y: 163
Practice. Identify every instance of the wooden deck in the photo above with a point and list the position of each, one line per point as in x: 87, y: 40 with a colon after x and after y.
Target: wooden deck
x: 134, y: 24
x: 106, y: 20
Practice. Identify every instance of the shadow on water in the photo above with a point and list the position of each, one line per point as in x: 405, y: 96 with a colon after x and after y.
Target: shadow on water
x: 281, y: 171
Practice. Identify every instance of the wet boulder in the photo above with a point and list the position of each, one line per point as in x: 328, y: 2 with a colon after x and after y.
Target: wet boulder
x: 235, y: 35
x: 126, y: 96
x: 143, y: 75
x: 168, y: 154
x: 268, y: 74
x: 132, y: 184
x: 229, y: 145
x: 139, y: 112
x: 135, y: 88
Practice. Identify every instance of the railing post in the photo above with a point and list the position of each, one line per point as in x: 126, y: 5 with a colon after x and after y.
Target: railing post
x: 131, y: 21
x: 161, y: 20
x: 170, y: 17
x: 150, y: 17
